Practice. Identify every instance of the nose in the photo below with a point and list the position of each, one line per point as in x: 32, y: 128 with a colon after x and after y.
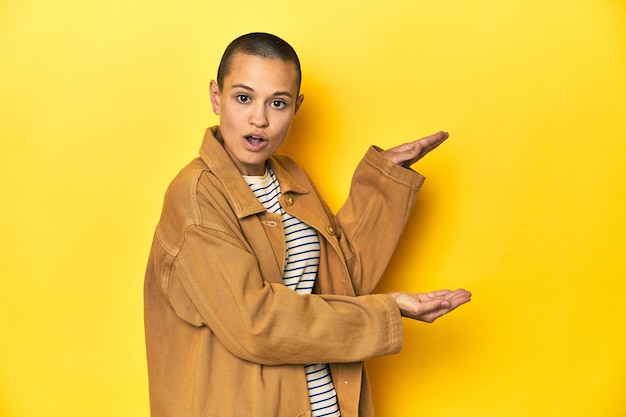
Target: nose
x: 258, y: 115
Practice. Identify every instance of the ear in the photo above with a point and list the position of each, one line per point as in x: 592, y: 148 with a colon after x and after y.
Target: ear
x: 299, y: 101
x: 214, y: 91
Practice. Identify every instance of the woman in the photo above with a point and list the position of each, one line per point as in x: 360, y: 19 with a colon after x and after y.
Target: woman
x: 257, y: 298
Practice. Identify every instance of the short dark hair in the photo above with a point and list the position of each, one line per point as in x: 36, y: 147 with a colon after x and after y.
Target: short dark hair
x: 260, y: 44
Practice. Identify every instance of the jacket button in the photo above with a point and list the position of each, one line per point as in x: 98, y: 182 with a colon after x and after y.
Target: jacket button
x: 289, y: 200
x: 330, y: 230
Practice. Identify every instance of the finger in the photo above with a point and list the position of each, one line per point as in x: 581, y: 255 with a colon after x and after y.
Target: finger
x: 433, y: 310
x: 456, y: 294
x: 403, y: 153
x: 448, y: 301
x: 438, y: 293
x: 434, y: 139
x: 461, y: 293
x: 423, y: 146
x: 431, y: 142
x: 429, y: 307
x: 416, y: 146
x: 448, y: 294
x: 459, y: 298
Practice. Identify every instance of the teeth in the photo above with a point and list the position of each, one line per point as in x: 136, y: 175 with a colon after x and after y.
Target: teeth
x: 255, y: 139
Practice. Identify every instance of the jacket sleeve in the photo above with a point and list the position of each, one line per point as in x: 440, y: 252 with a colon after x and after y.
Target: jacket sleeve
x: 211, y: 278
x: 215, y: 281
x: 382, y: 196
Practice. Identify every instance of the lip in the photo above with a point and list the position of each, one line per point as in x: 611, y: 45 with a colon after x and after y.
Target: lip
x: 255, y: 142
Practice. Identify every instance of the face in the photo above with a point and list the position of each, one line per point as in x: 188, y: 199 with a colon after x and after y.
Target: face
x: 256, y: 105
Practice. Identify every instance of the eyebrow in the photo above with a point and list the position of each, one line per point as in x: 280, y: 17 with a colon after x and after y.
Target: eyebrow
x: 277, y: 93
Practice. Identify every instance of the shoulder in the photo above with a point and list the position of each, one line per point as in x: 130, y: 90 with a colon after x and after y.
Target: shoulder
x: 180, y: 204
x: 181, y: 192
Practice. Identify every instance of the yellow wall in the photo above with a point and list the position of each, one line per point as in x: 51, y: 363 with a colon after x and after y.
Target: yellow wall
x: 102, y: 102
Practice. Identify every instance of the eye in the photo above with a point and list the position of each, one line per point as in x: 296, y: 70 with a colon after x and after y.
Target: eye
x: 278, y: 104
x: 242, y: 98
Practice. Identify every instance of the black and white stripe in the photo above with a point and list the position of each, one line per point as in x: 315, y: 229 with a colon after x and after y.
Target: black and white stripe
x: 301, y: 263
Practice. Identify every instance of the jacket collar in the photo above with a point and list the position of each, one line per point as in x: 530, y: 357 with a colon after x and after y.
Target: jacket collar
x: 239, y: 194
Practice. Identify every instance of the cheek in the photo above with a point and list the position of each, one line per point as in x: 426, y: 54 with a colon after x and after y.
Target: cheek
x: 283, y: 122
x: 228, y: 117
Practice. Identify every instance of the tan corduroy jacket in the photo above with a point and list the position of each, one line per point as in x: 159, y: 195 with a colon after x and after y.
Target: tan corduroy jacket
x: 224, y: 336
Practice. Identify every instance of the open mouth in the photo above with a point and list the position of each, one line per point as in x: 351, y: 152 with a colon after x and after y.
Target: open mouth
x: 255, y: 140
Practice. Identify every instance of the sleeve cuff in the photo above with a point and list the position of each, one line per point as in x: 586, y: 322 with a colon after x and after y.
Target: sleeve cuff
x: 404, y: 175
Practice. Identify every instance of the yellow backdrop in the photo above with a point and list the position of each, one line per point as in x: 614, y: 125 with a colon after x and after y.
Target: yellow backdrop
x: 102, y: 102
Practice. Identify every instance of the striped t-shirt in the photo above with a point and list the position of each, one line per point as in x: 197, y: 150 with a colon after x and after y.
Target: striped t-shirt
x: 301, y: 263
